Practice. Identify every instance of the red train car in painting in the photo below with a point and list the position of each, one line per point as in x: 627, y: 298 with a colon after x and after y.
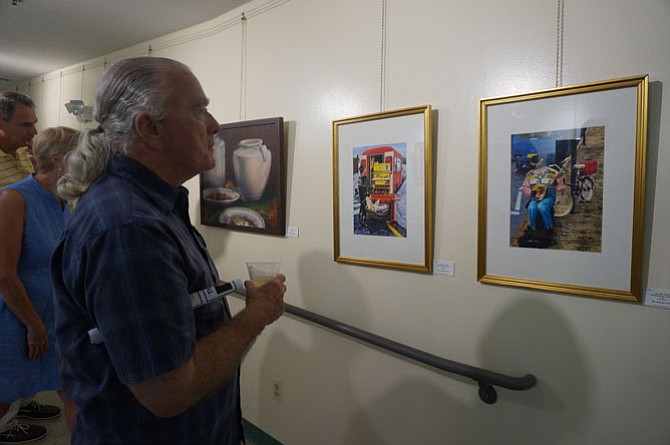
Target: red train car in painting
x: 384, y: 166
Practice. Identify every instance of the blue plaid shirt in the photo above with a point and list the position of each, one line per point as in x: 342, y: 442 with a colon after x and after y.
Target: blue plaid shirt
x: 126, y: 264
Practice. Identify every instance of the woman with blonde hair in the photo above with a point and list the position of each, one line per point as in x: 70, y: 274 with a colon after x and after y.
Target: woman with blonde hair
x: 32, y: 219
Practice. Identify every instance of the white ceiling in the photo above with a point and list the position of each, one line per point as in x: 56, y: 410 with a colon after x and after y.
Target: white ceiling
x: 40, y: 36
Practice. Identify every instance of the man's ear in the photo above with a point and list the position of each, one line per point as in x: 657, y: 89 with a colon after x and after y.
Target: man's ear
x: 148, y: 130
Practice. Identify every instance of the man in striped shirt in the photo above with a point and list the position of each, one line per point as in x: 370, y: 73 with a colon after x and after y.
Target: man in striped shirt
x: 17, y: 128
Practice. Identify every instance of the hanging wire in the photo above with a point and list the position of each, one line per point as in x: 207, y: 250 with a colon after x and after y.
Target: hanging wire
x: 60, y: 95
x: 42, y: 99
x: 382, y: 61
x: 243, y: 70
x: 83, y: 69
x: 560, y: 28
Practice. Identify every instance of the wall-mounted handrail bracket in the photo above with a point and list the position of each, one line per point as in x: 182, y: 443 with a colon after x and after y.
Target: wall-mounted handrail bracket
x: 487, y: 393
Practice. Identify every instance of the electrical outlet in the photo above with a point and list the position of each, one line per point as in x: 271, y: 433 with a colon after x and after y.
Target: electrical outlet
x: 277, y: 390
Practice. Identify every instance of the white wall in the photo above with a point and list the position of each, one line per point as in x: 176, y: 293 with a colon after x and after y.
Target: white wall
x: 602, y: 365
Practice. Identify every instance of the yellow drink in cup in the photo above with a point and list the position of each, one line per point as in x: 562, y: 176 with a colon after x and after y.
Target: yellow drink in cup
x: 262, y: 272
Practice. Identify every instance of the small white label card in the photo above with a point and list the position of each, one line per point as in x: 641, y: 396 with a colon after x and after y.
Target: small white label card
x: 292, y: 232
x: 443, y: 268
x: 657, y: 298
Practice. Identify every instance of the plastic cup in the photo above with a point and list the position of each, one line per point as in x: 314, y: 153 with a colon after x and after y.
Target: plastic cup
x: 262, y: 272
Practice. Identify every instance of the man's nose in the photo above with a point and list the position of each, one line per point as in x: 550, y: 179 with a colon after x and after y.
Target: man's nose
x: 213, y: 124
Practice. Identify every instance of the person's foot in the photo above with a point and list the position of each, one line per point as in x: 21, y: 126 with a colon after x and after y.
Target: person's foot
x: 18, y: 432
x: 38, y: 411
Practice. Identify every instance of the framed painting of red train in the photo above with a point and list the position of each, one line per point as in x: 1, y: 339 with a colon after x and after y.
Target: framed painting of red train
x: 383, y: 193
x: 246, y: 189
x: 561, y: 189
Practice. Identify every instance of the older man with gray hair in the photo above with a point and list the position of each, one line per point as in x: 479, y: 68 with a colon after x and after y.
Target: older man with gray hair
x: 143, y: 364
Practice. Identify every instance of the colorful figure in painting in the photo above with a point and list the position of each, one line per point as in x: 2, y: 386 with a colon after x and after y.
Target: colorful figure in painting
x: 540, y: 185
x: 363, y: 184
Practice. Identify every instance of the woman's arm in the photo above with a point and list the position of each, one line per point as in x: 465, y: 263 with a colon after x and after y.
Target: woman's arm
x: 12, y: 219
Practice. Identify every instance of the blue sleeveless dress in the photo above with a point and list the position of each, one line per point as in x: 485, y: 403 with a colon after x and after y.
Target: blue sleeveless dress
x: 44, y: 224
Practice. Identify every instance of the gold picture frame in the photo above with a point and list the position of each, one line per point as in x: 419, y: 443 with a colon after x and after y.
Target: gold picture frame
x: 561, y: 189
x: 383, y: 190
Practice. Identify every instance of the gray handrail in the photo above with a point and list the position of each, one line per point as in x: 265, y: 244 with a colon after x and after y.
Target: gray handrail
x: 486, y: 379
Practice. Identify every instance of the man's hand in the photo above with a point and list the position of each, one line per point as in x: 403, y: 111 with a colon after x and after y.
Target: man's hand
x: 267, y: 300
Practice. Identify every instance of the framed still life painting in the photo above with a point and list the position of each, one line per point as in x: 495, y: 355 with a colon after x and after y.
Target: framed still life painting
x: 246, y: 190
